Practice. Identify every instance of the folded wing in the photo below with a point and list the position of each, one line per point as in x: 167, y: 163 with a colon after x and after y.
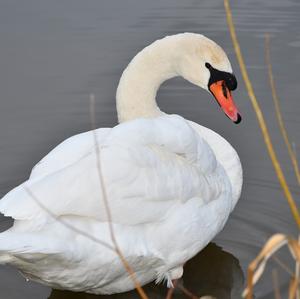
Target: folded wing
x: 149, y: 166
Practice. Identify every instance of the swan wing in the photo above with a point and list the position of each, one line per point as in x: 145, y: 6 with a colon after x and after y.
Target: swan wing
x: 149, y: 166
x: 226, y: 156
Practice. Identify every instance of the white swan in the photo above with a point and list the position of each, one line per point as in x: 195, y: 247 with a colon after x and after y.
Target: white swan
x: 170, y: 183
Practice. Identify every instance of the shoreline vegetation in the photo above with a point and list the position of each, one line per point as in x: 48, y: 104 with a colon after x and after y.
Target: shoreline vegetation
x: 275, y: 242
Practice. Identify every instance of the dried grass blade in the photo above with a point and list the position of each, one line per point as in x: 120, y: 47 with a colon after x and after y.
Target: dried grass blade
x: 297, y: 272
x: 293, y: 288
x: 278, y: 110
x: 294, y: 249
x: 257, y: 266
x: 276, y: 284
x: 260, y: 117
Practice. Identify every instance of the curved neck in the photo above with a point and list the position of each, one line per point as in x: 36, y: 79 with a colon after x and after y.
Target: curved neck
x: 136, y: 93
x: 183, y: 54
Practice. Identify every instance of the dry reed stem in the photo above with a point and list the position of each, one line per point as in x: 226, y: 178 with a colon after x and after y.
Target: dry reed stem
x: 276, y: 284
x: 295, y: 151
x: 278, y: 110
x: 297, y: 269
x: 282, y: 265
x: 171, y: 290
x: 186, y: 292
x: 260, y: 117
x: 290, y: 147
x: 293, y: 288
x: 257, y: 266
x: 106, y: 203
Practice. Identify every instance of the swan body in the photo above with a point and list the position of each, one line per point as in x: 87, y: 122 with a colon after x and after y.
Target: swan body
x: 169, y: 182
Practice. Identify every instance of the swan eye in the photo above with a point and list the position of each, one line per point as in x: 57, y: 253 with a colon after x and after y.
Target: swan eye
x: 208, y: 65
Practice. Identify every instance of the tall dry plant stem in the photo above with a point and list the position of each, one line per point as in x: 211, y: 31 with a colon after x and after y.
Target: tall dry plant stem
x: 106, y: 203
x: 260, y: 117
x: 258, y: 265
x: 278, y: 110
x: 276, y: 284
x: 290, y: 147
x: 297, y: 269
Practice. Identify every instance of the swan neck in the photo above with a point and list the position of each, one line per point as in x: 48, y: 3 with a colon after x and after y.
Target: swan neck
x: 140, y: 81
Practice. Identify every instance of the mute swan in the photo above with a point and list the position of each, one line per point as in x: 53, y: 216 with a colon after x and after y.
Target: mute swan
x: 171, y: 183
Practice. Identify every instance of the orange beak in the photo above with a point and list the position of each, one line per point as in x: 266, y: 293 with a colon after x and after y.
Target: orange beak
x: 224, y: 98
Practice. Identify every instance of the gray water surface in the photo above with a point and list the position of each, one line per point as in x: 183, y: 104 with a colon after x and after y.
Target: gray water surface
x: 53, y: 54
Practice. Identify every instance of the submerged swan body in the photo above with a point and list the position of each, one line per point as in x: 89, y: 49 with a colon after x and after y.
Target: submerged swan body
x: 170, y: 183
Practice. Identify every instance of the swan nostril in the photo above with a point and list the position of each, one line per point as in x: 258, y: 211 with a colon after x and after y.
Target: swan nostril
x: 207, y: 65
x: 224, y: 89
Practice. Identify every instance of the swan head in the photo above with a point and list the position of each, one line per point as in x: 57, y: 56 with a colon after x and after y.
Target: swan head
x: 190, y: 55
x: 205, y: 64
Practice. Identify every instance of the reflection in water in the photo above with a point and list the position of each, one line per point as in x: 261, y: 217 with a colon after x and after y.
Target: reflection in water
x: 212, y: 272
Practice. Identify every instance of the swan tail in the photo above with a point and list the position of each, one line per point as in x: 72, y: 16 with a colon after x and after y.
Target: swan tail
x: 13, y: 204
x: 5, y: 258
x: 20, y: 249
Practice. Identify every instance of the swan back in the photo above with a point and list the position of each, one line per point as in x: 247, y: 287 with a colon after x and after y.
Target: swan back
x: 148, y: 165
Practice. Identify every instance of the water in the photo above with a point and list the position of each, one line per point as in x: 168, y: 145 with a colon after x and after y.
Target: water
x: 54, y: 53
